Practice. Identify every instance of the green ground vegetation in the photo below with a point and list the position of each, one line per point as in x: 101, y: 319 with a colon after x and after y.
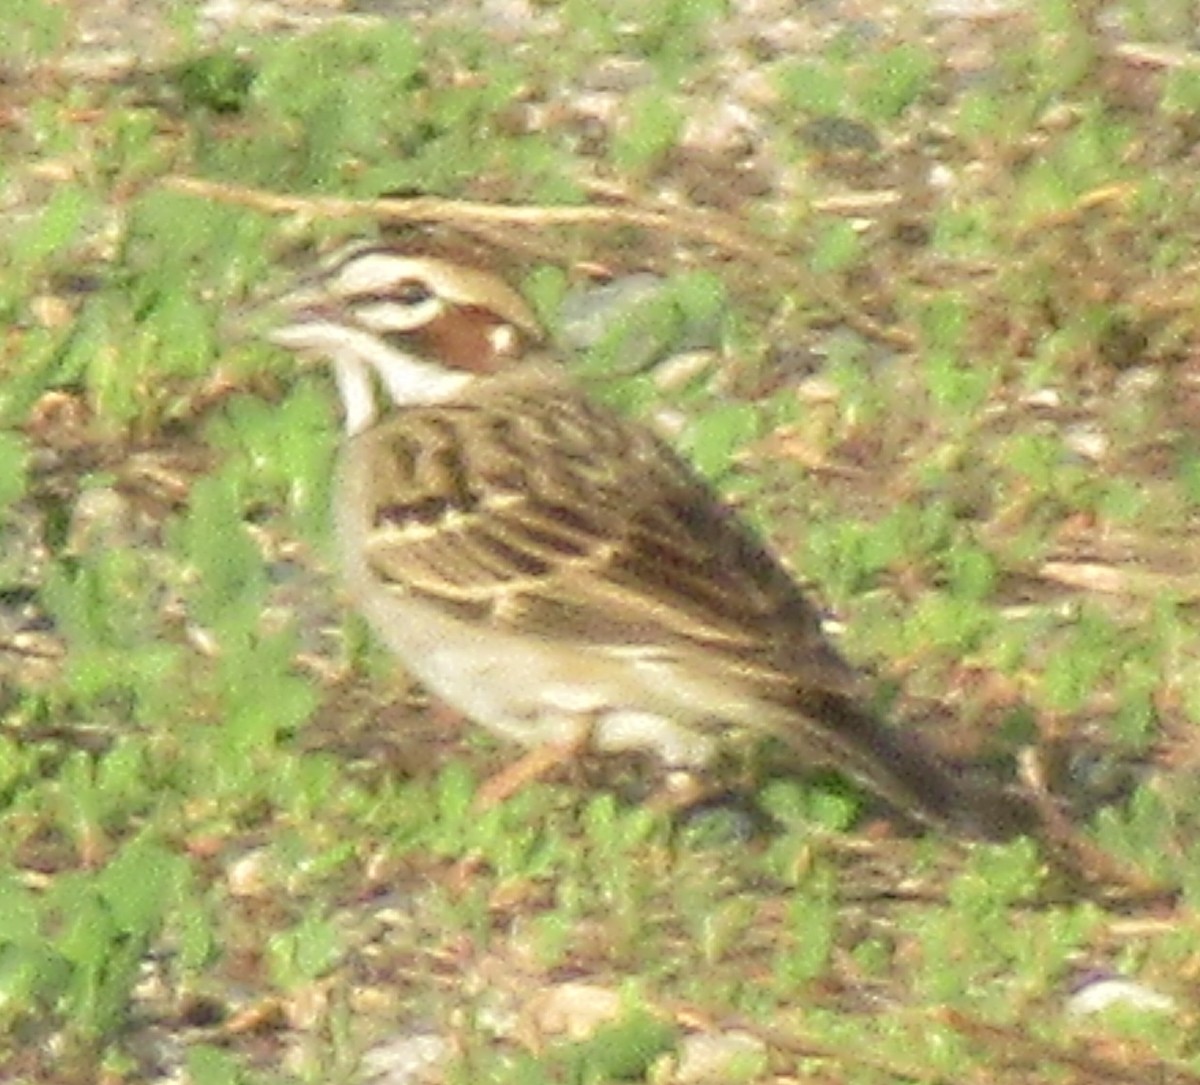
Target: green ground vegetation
x: 953, y: 377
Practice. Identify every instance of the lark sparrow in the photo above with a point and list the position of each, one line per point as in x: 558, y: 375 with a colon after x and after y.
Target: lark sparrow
x: 551, y: 568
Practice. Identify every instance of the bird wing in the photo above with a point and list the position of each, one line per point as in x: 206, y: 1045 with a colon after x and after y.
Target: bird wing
x: 539, y: 511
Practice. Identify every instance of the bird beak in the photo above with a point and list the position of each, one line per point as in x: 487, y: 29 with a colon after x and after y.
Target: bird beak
x: 282, y: 319
x: 290, y: 314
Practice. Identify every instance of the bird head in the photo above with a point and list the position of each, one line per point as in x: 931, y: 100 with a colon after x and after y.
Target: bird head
x: 423, y: 327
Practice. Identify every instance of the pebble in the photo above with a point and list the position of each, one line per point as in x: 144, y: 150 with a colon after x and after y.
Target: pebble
x: 707, y: 1059
x: 1099, y: 991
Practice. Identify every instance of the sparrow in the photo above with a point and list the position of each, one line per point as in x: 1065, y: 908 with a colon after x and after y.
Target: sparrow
x: 553, y: 569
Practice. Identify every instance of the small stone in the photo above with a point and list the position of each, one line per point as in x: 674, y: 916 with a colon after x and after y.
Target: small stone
x: 717, y: 1059
x: 574, y: 1010
x: 1087, y: 441
x: 1097, y: 992
x: 407, y: 1060
x: 589, y: 312
x: 251, y: 876
x: 1046, y: 398
x: 101, y: 520
x: 679, y: 370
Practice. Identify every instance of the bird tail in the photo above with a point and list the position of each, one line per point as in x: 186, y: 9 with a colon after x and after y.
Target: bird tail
x: 903, y: 771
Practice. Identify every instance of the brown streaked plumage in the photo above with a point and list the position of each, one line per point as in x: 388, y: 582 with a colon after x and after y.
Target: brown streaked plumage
x: 553, y: 569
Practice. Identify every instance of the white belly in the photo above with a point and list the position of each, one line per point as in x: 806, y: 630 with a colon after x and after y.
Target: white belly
x: 535, y: 692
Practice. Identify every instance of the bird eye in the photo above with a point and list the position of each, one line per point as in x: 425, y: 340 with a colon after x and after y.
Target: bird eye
x: 412, y: 292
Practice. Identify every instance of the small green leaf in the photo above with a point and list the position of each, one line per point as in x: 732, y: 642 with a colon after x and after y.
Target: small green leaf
x: 141, y: 885
x: 897, y: 78
x: 304, y: 953
x: 219, y: 82
x: 208, y: 1065
x: 837, y: 248
x: 717, y: 436
x: 811, y: 87
x: 14, y: 467
x: 229, y: 578
x: 626, y: 1050
x: 652, y: 126
x: 56, y: 227
x: 31, y: 29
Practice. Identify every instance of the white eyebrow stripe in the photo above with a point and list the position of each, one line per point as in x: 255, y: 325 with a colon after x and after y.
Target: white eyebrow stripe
x: 374, y: 273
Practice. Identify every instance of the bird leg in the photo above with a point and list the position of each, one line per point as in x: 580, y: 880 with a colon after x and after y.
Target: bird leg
x: 535, y: 764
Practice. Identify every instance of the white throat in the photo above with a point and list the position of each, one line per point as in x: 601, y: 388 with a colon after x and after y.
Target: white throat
x: 409, y: 380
